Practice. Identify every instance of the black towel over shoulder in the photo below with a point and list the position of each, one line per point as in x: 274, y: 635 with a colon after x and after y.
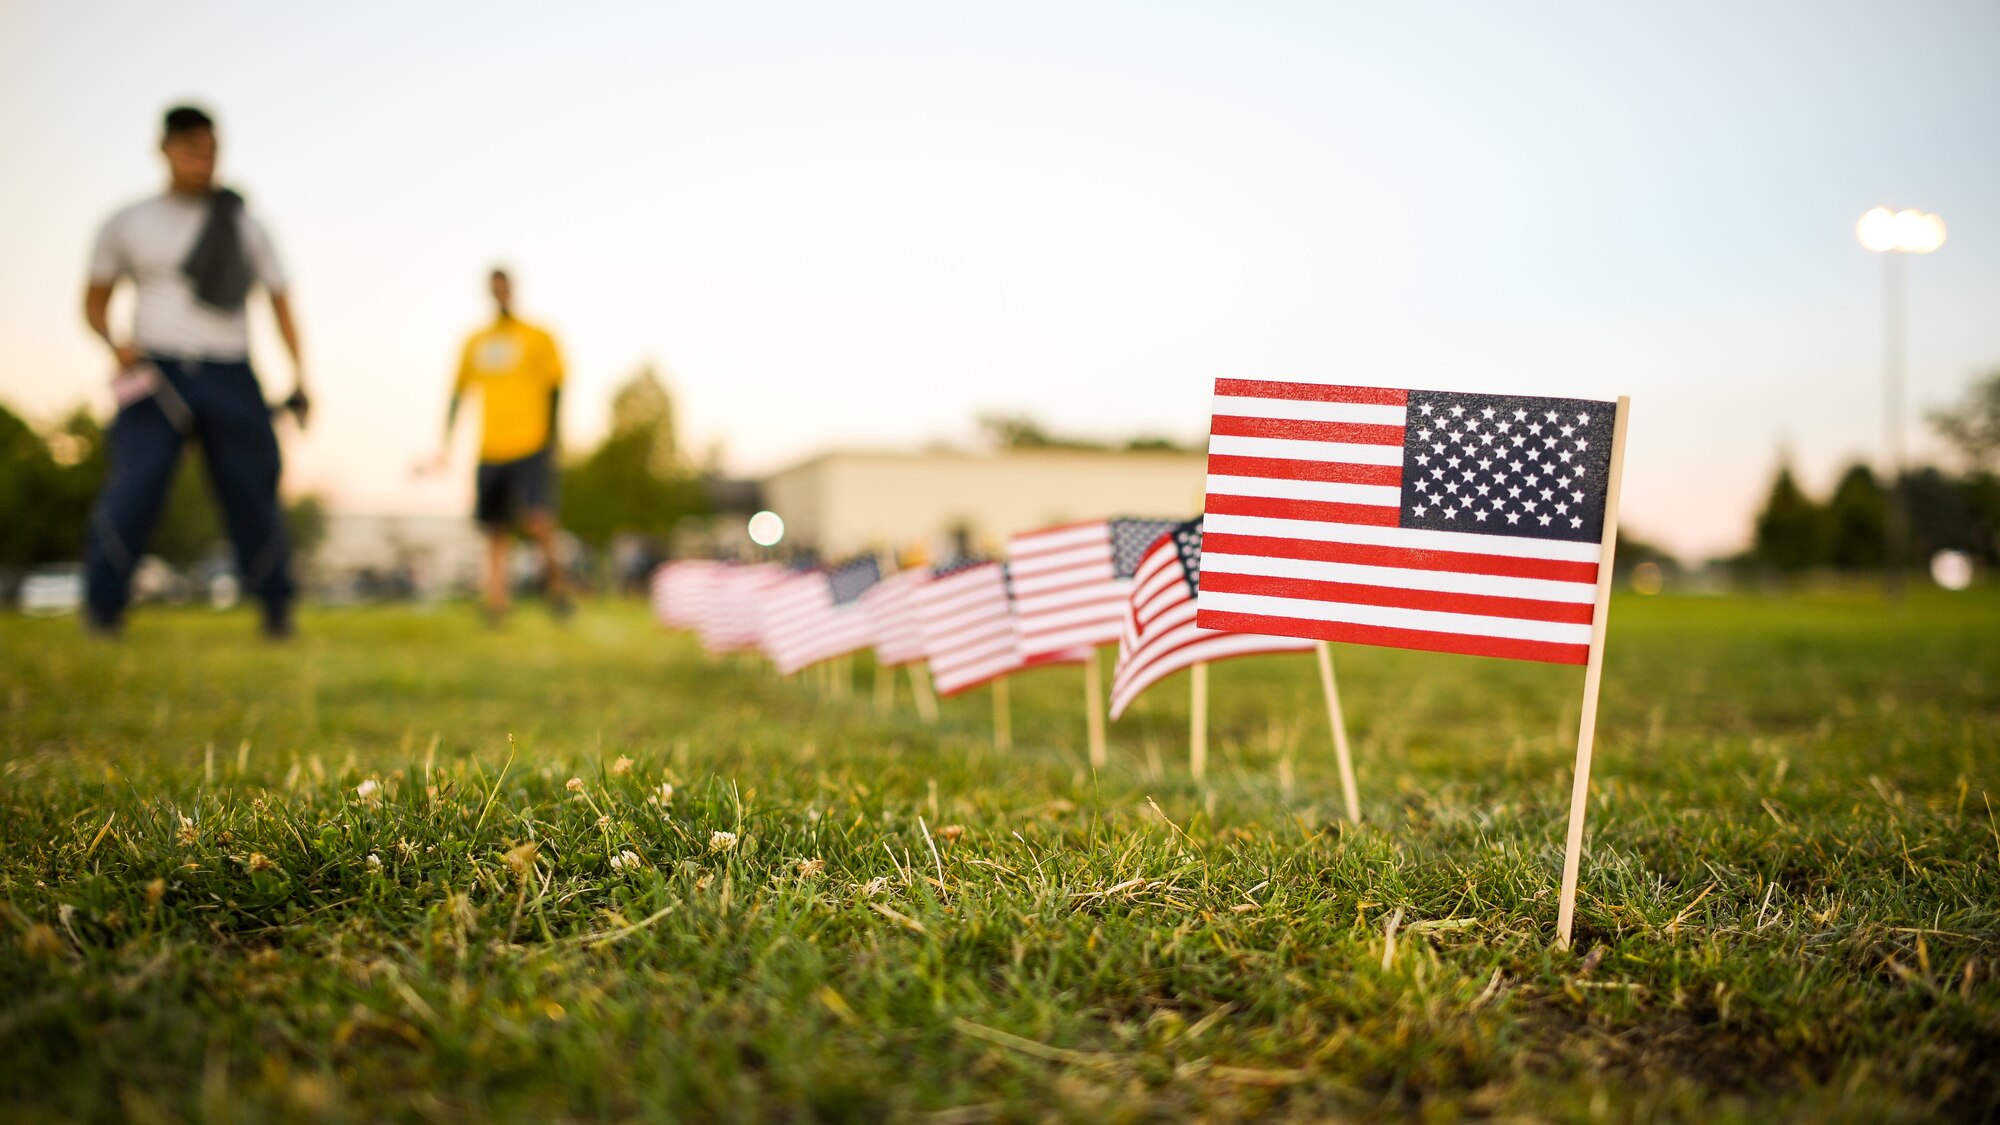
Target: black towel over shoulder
x: 219, y: 265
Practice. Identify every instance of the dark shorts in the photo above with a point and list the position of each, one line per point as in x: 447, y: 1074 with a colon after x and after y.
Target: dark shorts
x: 508, y: 491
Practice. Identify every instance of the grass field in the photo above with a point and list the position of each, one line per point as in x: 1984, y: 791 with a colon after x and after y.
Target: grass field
x: 244, y: 883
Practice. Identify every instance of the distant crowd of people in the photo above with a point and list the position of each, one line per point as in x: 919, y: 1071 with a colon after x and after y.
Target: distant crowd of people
x: 193, y: 254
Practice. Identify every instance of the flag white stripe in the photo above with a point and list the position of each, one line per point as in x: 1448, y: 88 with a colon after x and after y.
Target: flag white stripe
x: 1293, y: 449
x: 1376, y: 414
x: 1414, y: 538
x: 1373, y: 495
x: 1423, y: 620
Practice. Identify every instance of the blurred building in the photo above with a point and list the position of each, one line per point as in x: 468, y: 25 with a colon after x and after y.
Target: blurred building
x: 368, y: 556
x: 945, y: 502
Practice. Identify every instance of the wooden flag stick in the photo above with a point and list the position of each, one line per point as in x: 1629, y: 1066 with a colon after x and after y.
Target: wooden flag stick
x: 920, y: 689
x: 1093, y: 710
x: 1333, y: 717
x: 1586, y: 735
x: 1003, y: 718
x: 1198, y: 721
x: 885, y: 689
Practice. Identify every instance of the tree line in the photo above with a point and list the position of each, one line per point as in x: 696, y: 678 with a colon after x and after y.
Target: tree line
x: 1948, y: 509
x: 634, y: 483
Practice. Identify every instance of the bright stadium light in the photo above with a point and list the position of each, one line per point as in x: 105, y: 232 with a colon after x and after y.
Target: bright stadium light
x: 766, y: 529
x: 1909, y: 231
x: 1894, y: 234
x: 1877, y: 230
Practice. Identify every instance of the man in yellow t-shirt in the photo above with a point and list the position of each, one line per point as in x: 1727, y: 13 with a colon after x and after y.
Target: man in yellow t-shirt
x: 518, y: 374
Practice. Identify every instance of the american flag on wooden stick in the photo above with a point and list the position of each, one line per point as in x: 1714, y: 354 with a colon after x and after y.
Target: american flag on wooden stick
x: 683, y: 588
x: 1452, y: 522
x: 729, y: 616
x: 892, y: 611
x: 813, y: 616
x: 969, y: 627
x: 1158, y: 633
x: 672, y: 585
x: 1070, y: 582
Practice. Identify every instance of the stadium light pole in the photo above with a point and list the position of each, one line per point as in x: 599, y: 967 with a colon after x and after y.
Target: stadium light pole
x: 1893, y: 234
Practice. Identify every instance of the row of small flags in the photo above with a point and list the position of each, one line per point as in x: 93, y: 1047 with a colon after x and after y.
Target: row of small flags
x: 972, y: 621
x: 1467, y: 523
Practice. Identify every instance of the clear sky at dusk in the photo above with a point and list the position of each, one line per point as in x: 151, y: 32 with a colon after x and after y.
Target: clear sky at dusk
x: 838, y: 224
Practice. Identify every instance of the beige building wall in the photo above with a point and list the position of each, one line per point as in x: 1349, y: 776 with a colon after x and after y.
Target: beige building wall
x: 843, y: 503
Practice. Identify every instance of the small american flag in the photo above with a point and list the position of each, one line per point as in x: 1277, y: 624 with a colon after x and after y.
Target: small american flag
x: 729, y: 617
x: 1158, y: 636
x: 669, y: 594
x: 892, y: 611
x: 681, y: 589
x: 970, y: 631
x: 1451, y: 522
x: 1071, y: 581
x: 813, y: 616
x: 968, y: 628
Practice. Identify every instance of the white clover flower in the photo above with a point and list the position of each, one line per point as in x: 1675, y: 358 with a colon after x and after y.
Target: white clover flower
x: 621, y: 767
x: 719, y: 841
x: 370, y: 791
x: 374, y: 862
x: 663, y: 795
x: 627, y: 860
x: 574, y: 785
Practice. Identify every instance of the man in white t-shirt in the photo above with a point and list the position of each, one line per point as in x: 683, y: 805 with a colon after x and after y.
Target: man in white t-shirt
x: 192, y: 254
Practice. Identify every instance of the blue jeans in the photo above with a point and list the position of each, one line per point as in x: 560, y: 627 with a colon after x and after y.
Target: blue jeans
x: 226, y: 413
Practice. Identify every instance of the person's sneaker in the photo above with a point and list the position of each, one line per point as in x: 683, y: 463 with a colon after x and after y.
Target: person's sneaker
x: 103, y: 628
x: 277, y: 623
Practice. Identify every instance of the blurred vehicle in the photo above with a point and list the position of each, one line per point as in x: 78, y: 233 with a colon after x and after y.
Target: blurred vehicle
x: 156, y: 580
x: 52, y: 590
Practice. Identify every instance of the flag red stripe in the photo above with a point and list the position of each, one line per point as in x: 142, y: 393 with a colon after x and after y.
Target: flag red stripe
x: 1482, y: 605
x: 1310, y: 392
x: 1548, y: 652
x: 1301, y: 429
x: 1410, y: 558
x: 1284, y: 468
x: 1322, y: 511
